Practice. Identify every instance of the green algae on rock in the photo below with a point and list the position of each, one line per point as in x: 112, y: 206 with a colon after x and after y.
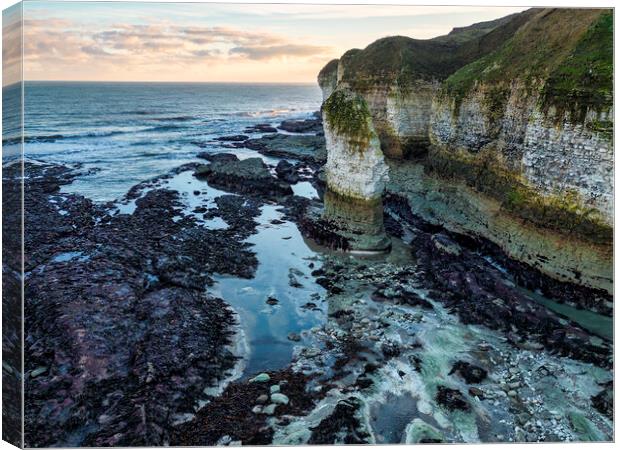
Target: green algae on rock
x: 487, y: 173
x: 348, y: 114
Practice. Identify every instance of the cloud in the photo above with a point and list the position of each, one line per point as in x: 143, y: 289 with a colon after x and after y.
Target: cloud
x: 279, y: 51
x: 62, y: 41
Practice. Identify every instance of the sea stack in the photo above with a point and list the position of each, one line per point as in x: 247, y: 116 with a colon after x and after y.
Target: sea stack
x: 356, y: 172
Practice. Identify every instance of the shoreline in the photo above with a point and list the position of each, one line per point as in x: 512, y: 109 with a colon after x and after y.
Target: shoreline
x: 342, y: 356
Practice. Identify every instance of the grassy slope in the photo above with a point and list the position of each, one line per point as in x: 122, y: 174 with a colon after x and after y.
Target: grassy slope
x: 402, y: 59
x: 569, y: 49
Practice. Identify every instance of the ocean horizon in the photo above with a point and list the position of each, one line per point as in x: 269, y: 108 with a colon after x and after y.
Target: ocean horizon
x: 145, y: 127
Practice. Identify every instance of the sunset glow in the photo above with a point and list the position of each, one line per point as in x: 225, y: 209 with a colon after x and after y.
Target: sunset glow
x: 214, y: 42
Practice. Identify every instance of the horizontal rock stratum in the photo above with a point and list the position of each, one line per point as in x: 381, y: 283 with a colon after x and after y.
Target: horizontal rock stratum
x: 502, y: 129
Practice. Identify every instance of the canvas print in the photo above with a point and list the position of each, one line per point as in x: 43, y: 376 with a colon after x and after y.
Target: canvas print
x: 286, y: 224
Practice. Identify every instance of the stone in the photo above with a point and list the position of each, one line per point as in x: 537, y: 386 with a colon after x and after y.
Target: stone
x: 38, y: 371
x: 270, y: 409
x: 260, y: 378
x: 262, y: 399
x: 275, y: 388
x: 279, y: 398
x: 294, y: 337
x: 451, y: 399
x: 233, y: 138
x: 249, y: 176
x: 272, y: 301
x: 469, y: 372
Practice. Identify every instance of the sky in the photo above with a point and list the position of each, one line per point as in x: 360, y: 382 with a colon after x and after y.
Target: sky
x: 204, y: 42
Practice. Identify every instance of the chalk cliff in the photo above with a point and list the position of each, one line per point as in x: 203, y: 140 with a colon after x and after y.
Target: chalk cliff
x: 355, y: 171
x: 501, y: 130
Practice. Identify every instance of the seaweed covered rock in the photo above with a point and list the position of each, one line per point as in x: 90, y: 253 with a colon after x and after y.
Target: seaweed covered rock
x: 342, y: 426
x: 308, y: 148
x: 248, y: 176
x: 355, y: 171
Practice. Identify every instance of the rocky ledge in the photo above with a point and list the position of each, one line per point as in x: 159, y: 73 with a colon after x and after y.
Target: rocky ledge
x: 247, y: 176
x: 121, y: 338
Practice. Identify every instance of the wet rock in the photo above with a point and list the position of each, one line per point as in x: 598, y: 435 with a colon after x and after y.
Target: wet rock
x: 292, y: 279
x: 322, y: 232
x: 233, y: 138
x: 142, y: 275
x: 476, y: 392
x: 231, y: 413
x: 419, y: 432
x: 218, y: 157
x: 249, y: 176
x: 302, y: 126
x: 287, y: 172
x: 239, y: 212
x: 469, y: 372
x: 294, y: 337
x: 604, y: 400
x: 272, y: 301
x: 342, y: 426
x: 401, y: 297
x: 279, y: 398
x: 38, y: 371
x: 451, y: 399
x: 390, y: 349
x: 443, y: 243
x: 304, y: 148
x: 479, y: 294
x: 270, y: 409
x: 260, y: 378
x: 261, y: 128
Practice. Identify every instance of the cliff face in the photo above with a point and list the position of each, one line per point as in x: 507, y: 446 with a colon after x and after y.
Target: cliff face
x: 518, y: 113
x: 543, y: 104
x: 355, y: 171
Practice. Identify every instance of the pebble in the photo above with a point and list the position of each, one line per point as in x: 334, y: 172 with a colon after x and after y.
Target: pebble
x: 262, y: 399
x: 270, y: 409
x: 275, y: 388
x: 261, y: 378
x: 38, y: 371
x: 512, y: 393
x: 257, y: 409
x: 279, y: 398
x: 293, y: 337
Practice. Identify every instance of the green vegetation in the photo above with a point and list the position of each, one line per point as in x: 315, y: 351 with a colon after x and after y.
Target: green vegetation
x: 329, y: 73
x: 487, y: 173
x: 348, y: 114
x: 565, y: 52
x: 329, y: 69
x: 402, y: 60
x: 584, y: 80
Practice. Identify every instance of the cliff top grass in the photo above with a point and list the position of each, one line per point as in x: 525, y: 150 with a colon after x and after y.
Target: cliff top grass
x: 584, y: 80
x: 330, y: 70
x: 568, y: 48
x: 403, y: 60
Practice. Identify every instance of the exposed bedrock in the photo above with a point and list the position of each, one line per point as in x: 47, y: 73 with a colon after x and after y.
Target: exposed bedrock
x: 501, y: 130
x: 355, y: 172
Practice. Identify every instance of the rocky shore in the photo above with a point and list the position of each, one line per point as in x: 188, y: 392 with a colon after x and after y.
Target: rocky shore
x: 438, y: 340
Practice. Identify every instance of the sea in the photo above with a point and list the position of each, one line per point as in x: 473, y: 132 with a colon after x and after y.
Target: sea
x: 129, y: 132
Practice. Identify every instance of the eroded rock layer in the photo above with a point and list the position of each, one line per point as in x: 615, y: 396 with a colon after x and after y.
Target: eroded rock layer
x: 501, y: 130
